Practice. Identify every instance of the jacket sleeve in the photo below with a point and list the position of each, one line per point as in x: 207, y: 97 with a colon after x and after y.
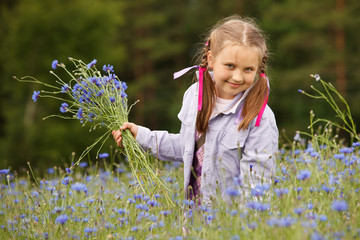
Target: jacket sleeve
x: 258, y: 160
x: 163, y: 145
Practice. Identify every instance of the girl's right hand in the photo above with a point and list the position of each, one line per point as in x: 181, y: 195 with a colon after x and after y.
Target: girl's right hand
x: 127, y: 125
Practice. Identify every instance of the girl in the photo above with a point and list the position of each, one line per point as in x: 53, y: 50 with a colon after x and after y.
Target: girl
x: 227, y: 130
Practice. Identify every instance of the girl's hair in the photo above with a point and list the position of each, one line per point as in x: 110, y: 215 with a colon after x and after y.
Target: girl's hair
x: 243, y: 32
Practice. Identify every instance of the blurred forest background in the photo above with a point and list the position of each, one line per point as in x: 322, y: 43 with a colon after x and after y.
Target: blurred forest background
x: 147, y: 41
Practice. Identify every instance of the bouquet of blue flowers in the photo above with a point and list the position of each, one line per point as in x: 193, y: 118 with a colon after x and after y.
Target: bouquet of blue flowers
x: 100, y: 100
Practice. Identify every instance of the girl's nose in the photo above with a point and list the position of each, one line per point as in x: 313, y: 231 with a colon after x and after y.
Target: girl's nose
x: 237, y: 76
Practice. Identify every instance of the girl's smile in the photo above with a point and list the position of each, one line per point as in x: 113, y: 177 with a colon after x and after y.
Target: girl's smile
x: 234, y: 68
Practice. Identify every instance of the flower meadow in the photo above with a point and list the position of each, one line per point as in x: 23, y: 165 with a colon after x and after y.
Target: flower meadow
x: 314, y: 194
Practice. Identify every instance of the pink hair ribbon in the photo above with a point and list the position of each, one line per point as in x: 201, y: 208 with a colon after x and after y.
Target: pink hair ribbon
x: 257, y: 123
x: 201, y: 81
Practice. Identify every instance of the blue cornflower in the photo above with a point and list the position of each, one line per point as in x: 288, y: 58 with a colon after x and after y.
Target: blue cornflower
x: 50, y: 170
x: 100, y: 93
x: 356, y: 144
x: 80, y: 114
x: 61, y: 219
x: 92, y: 63
x: 233, y: 212
x: 251, y: 167
x: 4, y: 171
x: 54, y: 64
x: 238, y: 180
x: 103, y: 155
x: 188, y: 202
x: 35, y: 193
x: 90, y: 230
x: 68, y: 170
x: 327, y: 189
x: 65, y: 88
x: 152, y: 203
x: 346, y: 150
x: 108, y: 68
x: 232, y: 192
x: 79, y: 187
x: 281, y: 191
x: 83, y: 164
x: 123, y: 94
x: 112, y: 99
x: 303, y: 174
x: 66, y: 180
x: 298, y: 210
x: 64, y: 107
x: 152, y: 218
x: 35, y: 95
x: 340, y: 156
x: 339, y: 205
x: 123, y: 86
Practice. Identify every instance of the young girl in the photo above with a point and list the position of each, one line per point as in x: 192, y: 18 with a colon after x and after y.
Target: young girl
x: 227, y: 130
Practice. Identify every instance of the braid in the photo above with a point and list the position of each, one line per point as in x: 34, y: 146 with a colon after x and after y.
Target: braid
x: 209, y: 93
x: 204, y: 60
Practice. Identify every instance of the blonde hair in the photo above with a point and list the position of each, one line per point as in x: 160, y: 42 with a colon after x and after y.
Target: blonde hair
x: 244, y: 32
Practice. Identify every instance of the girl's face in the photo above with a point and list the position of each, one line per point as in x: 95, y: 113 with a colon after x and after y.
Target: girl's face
x: 234, y: 68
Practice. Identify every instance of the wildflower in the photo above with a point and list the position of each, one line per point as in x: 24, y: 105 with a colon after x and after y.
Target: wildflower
x: 356, y: 144
x: 103, y: 155
x: 35, y: 95
x: 232, y: 192
x: 80, y: 114
x: 281, y: 191
x: 65, y: 88
x: 54, y: 64
x: 64, y: 107
x: 66, y: 180
x: 301, y: 91
x: 303, y: 175
x: 4, y: 171
x: 83, y: 164
x: 61, y: 219
x: 298, y: 210
x: 108, y: 68
x: 92, y: 63
x: 123, y: 94
x: 340, y: 156
x: 316, y: 76
x: 123, y: 86
x: 297, y: 136
x: 327, y: 189
x: 258, y: 206
x: 346, y: 150
x: 339, y: 205
x: 68, y: 170
x: 100, y: 93
x: 112, y: 99
x: 79, y: 187
x: 238, y: 180
x: 50, y: 170
x: 251, y: 167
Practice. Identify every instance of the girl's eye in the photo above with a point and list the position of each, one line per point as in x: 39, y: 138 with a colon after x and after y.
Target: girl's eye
x: 229, y: 65
x: 249, y: 69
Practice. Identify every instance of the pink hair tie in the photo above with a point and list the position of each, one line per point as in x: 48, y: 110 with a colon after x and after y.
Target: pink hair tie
x: 201, y: 81
x: 262, y: 75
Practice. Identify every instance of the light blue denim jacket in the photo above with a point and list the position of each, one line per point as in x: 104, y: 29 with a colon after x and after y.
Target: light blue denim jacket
x: 228, y: 153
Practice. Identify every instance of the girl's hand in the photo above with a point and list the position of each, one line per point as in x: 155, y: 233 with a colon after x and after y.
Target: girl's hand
x: 127, y: 125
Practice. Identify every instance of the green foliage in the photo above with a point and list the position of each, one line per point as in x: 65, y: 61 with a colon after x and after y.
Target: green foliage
x: 147, y: 41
